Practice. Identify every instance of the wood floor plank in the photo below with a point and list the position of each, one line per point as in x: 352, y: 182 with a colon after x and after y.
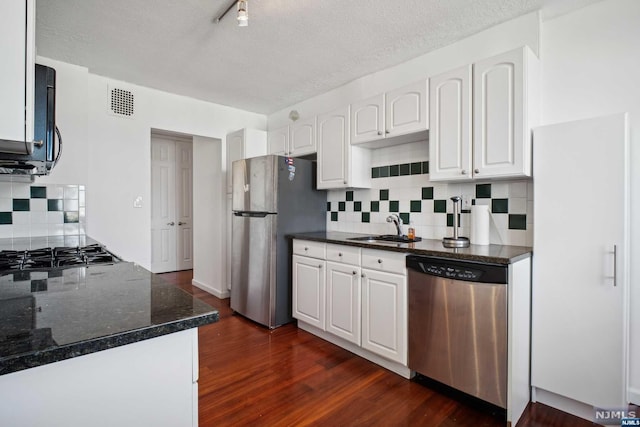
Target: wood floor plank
x: 252, y: 376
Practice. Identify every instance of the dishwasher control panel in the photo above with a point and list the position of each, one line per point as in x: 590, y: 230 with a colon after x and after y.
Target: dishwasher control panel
x: 458, y: 270
x: 452, y: 272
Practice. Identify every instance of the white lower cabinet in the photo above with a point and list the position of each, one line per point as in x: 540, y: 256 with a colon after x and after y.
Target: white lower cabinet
x: 343, y: 301
x: 353, y: 297
x: 384, y: 314
x: 309, y: 290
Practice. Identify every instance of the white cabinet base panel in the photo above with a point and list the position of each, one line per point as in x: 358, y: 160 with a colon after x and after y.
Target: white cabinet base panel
x: 148, y: 383
x: 394, y: 367
x: 562, y: 403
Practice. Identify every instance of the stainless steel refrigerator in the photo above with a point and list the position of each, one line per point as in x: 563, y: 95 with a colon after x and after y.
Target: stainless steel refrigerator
x: 273, y: 196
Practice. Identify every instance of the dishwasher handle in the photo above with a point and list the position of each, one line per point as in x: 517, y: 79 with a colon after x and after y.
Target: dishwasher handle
x: 459, y: 270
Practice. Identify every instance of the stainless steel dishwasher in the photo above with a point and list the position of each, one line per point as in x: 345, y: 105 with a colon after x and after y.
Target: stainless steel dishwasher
x: 458, y: 325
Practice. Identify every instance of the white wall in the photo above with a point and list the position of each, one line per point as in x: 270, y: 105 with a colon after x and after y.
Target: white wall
x: 111, y: 156
x: 591, y: 63
x: 501, y: 38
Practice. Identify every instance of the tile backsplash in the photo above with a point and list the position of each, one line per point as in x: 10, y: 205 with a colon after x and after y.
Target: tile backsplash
x: 403, y: 187
x: 29, y: 210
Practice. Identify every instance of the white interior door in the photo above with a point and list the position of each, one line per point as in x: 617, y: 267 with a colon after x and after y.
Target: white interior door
x: 171, y: 205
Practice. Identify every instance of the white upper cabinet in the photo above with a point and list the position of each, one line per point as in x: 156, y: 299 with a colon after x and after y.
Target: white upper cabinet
x: 406, y: 109
x: 17, y: 50
x: 244, y: 144
x: 450, y: 125
x: 339, y: 164
x: 302, y: 137
x: 504, y: 113
x: 391, y: 118
x: 481, y: 121
x: 278, y: 141
x: 367, y: 120
x: 298, y: 139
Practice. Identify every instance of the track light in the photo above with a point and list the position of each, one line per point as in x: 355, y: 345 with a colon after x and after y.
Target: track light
x: 243, y: 13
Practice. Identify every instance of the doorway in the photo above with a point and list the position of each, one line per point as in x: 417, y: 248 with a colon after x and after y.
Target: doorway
x: 171, y: 203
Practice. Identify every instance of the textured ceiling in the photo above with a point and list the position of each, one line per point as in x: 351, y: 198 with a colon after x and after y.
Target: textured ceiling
x: 291, y: 50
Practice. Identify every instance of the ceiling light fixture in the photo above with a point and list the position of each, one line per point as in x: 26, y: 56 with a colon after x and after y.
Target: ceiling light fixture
x: 243, y: 12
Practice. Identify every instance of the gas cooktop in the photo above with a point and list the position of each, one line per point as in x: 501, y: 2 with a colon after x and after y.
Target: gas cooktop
x: 46, y: 259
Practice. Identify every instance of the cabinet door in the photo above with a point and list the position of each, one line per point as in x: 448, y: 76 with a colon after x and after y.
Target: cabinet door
x: 235, y: 151
x: 406, y: 109
x: 302, y: 138
x: 384, y: 314
x: 343, y: 301
x: 333, y: 149
x: 17, y: 32
x: 308, y: 281
x: 501, y: 136
x: 367, y: 120
x: 450, y: 125
x: 580, y: 279
x: 278, y: 141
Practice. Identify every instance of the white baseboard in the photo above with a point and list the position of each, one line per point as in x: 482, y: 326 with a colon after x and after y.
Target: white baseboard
x: 213, y: 291
x: 634, y: 396
x: 563, y: 403
x: 394, y: 367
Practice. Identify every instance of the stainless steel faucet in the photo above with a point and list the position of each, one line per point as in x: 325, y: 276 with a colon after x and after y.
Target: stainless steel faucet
x: 397, y: 221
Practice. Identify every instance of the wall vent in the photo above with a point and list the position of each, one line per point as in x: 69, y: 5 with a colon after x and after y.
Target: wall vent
x: 121, y: 102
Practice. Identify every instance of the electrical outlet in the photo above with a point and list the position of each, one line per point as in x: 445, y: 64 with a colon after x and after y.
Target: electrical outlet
x: 137, y: 202
x: 466, y: 202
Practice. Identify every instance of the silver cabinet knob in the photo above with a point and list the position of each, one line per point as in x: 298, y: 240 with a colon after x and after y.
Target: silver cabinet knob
x: 379, y: 261
x: 379, y: 132
x: 387, y: 131
x: 362, y: 275
x: 476, y: 171
x: 171, y: 223
x: 339, y: 253
x: 355, y: 272
x: 464, y: 172
x: 344, y: 182
x: 306, y: 249
x: 182, y: 223
x: 319, y: 265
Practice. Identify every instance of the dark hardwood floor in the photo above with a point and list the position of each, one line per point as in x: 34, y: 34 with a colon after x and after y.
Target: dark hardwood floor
x: 288, y: 377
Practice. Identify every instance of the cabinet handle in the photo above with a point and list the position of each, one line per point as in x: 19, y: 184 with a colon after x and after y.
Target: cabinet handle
x: 171, y: 223
x: 362, y: 275
x: 464, y: 172
x: 306, y: 249
x: 339, y: 253
x: 355, y: 272
x: 387, y: 131
x: 182, y: 223
x: 476, y: 171
x: 344, y: 182
x: 615, y: 265
x: 379, y: 132
x: 319, y: 265
x: 379, y: 261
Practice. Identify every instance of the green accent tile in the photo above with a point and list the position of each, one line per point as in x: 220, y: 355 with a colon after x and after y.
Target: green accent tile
x: 416, y: 168
x: 38, y: 192
x: 500, y: 206
x: 349, y: 196
x: 375, y: 172
x: 384, y: 194
x: 6, y: 218
x: 440, y: 206
x: 71, y: 217
x: 483, y: 191
x: 404, y: 216
x: 375, y: 206
x: 342, y: 206
x: 54, y: 204
x: 405, y: 169
x: 384, y: 171
x: 517, y: 222
x: 394, y: 206
x: 394, y: 170
x: 21, y: 205
x: 416, y: 206
x: 449, y: 220
x: 427, y: 193
x: 425, y: 167
x: 328, y: 206
x: 357, y: 206
x: 334, y: 216
x: 365, y: 216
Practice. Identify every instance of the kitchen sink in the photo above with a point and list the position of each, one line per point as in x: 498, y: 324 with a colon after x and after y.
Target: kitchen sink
x: 385, y: 238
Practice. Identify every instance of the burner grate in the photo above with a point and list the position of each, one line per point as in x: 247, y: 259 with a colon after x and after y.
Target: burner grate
x: 53, y: 258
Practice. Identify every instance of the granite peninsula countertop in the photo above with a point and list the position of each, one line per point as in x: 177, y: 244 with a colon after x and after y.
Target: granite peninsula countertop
x: 47, y: 317
x: 493, y: 254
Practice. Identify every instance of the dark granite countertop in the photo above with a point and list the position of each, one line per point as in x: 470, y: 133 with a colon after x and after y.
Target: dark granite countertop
x: 50, y: 316
x: 494, y: 254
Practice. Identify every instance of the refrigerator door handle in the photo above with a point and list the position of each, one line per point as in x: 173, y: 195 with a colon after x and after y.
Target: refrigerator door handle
x: 252, y: 214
